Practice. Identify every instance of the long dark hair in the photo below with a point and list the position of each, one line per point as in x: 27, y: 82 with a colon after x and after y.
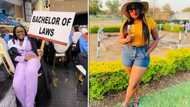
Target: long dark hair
x: 130, y: 21
x: 14, y: 32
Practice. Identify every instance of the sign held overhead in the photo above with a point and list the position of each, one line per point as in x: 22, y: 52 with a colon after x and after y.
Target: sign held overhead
x: 51, y: 26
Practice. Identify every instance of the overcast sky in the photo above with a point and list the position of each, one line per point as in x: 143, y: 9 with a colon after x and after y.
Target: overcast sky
x: 176, y: 5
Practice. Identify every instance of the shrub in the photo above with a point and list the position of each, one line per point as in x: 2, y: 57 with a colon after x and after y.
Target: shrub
x: 102, y: 67
x: 172, y: 27
x: 111, y: 29
x: 110, y: 77
x: 156, y: 64
x: 104, y: 83
x: 94, y: 29
x: 115, y: 28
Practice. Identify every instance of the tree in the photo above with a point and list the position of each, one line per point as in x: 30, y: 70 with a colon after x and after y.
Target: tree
x: 187, y: 9
x: 167, y: 9
x: 113, y: 6
x: 94, y: 9
x: 154, y: 12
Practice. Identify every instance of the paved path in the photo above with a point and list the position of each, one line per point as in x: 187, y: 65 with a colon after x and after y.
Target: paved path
x: 68, y: 93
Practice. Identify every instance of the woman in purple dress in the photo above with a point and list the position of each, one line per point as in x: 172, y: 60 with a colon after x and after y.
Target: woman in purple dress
x: 26, y: 57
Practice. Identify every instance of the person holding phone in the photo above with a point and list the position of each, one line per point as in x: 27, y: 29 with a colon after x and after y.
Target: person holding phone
x: 135, y: 38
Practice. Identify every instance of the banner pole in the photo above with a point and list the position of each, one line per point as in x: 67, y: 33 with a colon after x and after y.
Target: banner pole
x: 42, y: 45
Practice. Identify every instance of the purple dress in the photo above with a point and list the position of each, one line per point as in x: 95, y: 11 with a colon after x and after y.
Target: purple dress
x: 26, y: 73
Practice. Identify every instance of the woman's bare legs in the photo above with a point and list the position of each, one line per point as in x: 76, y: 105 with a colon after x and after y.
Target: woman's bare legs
x: 128, y: 71
x: 135, y: 75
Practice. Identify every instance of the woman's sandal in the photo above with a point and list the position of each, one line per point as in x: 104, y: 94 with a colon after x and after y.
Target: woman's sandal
x: 136, y: 102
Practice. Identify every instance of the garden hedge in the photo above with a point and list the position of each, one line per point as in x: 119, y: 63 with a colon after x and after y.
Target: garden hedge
x: 110, y: 77
x: 116, y: 28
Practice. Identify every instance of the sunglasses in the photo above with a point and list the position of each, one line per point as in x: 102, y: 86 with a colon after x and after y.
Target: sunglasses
x: 131, y: 10
x: 134, y: 6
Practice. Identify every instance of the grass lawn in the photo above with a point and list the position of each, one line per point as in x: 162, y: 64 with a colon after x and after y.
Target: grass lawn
x: 174, y: 96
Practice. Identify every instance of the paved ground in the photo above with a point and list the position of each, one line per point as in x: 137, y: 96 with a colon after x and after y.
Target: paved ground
x: 68, y: 93
x: 4, y: 87
x: 110, y: 49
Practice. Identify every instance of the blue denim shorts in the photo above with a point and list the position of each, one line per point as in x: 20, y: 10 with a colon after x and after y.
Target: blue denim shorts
x: 138, y: 56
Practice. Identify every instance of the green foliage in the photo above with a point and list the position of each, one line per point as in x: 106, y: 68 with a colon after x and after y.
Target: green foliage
x: 94, y: 9
x: 155, y: 66
x: 104, y: 83
x: 111, y: 29
x: 94, y: 29
x: 172, y: 27
x: 181, y: 58
x: 105, y: 67
x: 116, y: 28
x: 113, y: 6
x: 109, y: 77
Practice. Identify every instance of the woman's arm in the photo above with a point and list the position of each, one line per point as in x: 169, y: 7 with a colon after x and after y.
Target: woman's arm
x: 34, y: 43
x: 156, y: 39
x: 35, y: 48
x: 15, y: 56
x: 123, y: 39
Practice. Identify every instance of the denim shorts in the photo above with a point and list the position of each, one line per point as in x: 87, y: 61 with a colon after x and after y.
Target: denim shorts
x: 132, y: 55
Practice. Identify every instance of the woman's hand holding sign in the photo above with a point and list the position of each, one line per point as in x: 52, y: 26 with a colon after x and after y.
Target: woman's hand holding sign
x: 40, y: 53
x: 29, y: 57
